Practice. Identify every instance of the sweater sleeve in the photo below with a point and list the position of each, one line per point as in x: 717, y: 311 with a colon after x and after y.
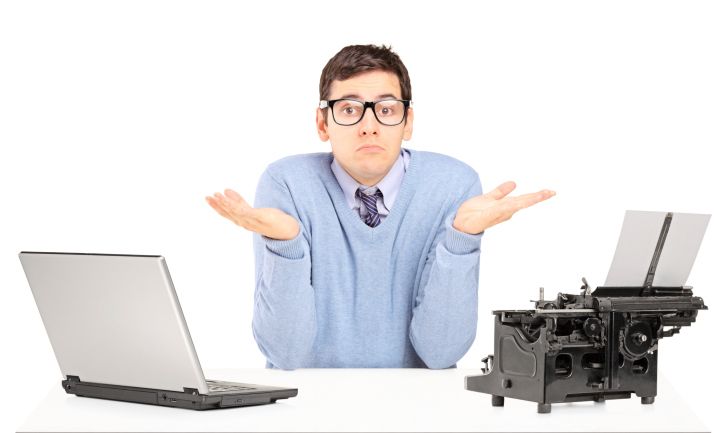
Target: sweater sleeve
x: 445, y: 314
x: 284, y: 322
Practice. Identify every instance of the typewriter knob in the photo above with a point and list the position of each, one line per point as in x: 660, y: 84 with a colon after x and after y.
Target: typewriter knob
x: 637, y: 340
x: 592, y: 327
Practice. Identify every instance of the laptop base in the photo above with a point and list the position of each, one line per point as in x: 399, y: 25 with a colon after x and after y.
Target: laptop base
x: 189, y: 399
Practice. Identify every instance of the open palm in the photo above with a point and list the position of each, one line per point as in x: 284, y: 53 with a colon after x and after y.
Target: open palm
x: 270, y: 222
x: 486, y: 210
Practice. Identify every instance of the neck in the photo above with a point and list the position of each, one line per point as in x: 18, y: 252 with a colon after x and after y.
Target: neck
x: 367, y: 182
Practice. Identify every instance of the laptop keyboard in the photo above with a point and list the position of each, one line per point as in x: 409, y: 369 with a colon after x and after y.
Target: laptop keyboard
x: 225, y: 387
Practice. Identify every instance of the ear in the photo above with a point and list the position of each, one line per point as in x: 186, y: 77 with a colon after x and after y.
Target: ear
x: 322, y: 126
x: 407, y: 132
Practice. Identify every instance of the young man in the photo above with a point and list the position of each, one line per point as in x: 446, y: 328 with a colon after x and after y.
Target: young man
x: 368, y: 256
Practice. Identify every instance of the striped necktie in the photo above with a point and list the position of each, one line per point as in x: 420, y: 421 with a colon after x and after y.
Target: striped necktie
x: 372, y: 218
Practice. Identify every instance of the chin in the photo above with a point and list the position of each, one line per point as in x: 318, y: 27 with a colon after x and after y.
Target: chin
x: 371, y: 171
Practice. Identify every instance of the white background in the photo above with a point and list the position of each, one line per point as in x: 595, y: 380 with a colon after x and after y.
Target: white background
x: 117, y: 118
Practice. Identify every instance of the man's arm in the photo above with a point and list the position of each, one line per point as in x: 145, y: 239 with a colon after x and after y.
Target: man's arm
x: 444, y: 318
x: 284, y: 322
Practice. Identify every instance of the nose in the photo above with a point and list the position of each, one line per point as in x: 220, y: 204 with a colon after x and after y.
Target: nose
x: 369, y: 124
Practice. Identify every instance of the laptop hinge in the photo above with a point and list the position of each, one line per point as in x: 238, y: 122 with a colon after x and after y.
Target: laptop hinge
x: 192, y: 391
x: 70, y: 383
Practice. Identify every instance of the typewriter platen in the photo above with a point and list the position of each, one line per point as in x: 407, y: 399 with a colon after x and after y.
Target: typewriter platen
x: 592, y: 346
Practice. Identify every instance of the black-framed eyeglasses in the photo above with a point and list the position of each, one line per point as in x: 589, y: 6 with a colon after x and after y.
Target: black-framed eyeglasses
x: 347, y: 112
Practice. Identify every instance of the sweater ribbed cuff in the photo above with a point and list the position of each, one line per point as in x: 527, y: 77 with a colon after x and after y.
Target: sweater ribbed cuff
x: 458, y: 242
x: 291, y: 249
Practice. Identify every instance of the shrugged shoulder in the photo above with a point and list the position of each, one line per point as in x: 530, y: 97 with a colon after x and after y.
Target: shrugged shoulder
x: 445, y: 169
x: 296, y: 166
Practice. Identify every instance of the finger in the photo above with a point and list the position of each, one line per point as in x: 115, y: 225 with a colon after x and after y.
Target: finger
x: 236, y: 205
x: 240, y: 212
x: 217, y: 207
x: 212, y: 201
x: 224, y: 203
x: 501, y: 191
x: 233, y: 195
x: 527, y: 200
x: 236, y: 198
x: 220, y: 200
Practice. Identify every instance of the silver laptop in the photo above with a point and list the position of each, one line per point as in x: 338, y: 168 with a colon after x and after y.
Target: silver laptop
x: 118, y: 332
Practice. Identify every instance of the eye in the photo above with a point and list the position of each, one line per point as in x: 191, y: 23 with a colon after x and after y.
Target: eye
x: 347, y: 108
x: 387, y: 108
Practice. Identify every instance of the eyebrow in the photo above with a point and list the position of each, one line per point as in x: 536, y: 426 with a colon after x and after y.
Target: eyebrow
x: 379, y: 97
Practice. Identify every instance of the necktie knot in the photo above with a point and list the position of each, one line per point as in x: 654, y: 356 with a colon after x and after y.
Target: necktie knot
x: 369, y: 201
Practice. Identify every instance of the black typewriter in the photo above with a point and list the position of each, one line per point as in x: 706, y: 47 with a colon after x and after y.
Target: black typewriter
x: 594, y: 346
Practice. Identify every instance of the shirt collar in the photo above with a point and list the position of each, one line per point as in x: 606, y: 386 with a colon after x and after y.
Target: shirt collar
x: 389, y: 185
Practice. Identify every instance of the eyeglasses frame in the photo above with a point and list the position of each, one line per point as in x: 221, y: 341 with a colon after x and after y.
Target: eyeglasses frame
x: 407, y: 103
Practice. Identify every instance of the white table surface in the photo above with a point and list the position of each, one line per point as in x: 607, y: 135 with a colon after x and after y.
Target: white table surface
x: 366, y: 400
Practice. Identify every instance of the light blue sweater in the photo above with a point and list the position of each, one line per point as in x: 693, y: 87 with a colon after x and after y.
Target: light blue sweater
x: 343, y: 294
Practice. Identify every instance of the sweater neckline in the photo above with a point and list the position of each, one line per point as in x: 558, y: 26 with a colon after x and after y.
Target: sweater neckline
x: 348, y: 214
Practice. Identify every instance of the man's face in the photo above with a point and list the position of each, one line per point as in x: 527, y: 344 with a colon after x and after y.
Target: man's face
x: 368, y: 149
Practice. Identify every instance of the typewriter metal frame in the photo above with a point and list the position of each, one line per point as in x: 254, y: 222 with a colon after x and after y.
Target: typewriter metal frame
x: 593, y: 346
x: 589, y: 347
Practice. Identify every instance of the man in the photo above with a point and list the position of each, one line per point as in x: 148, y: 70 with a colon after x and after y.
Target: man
x: 368, y: 256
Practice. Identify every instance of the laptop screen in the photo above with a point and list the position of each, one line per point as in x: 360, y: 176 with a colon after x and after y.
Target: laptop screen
x: 114, y: 319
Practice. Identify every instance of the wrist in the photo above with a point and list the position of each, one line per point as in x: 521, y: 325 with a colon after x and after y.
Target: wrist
x: 460, y: 242
x: 284, y: 235
x: 460, y: 226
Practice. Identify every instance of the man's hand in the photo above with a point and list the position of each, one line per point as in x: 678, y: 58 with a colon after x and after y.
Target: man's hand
x: 487, y: 210
x: 269, y: 222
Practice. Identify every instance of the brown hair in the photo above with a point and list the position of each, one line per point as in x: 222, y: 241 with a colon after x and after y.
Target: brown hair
x: 356, y: 59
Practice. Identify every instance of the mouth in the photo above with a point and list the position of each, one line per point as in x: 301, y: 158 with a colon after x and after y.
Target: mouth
x: 370, y: 148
